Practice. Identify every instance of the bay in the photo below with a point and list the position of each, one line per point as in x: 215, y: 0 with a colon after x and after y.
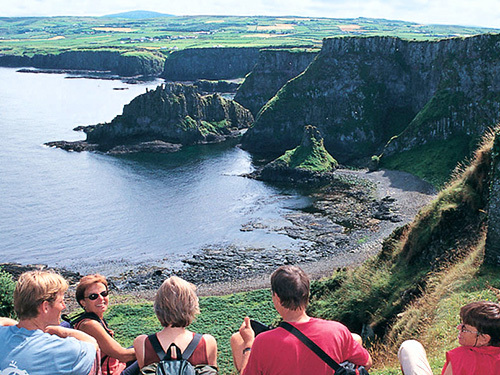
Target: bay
x: 91, y: 212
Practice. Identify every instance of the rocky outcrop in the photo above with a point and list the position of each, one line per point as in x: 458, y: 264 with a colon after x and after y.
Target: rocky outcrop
x: 361, y: 92
x: 273, y: 69
x: 162, y: 119
x: 309, y: 162
x: 209, y: 63
x: 115, y: 62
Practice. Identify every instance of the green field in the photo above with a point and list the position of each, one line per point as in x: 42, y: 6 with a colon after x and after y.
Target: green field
x: 30, y: 35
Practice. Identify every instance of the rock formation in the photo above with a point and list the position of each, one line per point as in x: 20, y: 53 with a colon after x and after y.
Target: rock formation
x: 273, y: 69
x: 162, y: 119
x: 114, y: 62
x: 361, y: 92
x: 308, y: 162
x: 209, y: 63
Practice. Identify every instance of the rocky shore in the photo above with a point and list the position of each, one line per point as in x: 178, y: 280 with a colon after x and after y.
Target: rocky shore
x: 345, y: 225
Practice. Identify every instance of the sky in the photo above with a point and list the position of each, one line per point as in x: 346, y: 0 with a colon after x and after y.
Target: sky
x: 485, y: 13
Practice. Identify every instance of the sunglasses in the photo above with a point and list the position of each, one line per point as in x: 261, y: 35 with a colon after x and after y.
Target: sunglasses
x: 94, y: 296
x: 461, y: 328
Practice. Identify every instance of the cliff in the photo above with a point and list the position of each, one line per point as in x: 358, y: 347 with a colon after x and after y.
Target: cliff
x: 162, y: 119
x: 361, y: 92
x: 273, y: 69
x: 209, y: 63
x: 308, y: 162
x: 125, y: 64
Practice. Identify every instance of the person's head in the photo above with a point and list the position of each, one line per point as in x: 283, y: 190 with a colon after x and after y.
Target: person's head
x: 480, y: 324
x: 39, y: 290
x: 291, y: 285
x: 92, y: 294
x: 176, y: 303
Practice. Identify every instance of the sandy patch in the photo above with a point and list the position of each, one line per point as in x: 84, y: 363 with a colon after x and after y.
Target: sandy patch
x: 215, y: 21
x: 115, y: 29
x: 349, y: 28
x: 277, y: 26
x: 57, y: 37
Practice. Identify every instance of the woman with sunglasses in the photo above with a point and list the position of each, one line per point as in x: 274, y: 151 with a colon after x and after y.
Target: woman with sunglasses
x: 479, y: 340
x: 92, y: 296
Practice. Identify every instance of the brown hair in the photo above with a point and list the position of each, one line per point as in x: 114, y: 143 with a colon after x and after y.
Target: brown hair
x: 291, y: 285
x: 176, y: 303
x: 35, y: 287
x: 485, y: 317
x: 87, y: 281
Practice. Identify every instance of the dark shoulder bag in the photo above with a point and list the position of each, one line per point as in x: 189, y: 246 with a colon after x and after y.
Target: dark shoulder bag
x: 345, y: 368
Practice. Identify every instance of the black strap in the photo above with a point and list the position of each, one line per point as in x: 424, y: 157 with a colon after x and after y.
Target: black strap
x: 187, y: 353
x: 311, y: 345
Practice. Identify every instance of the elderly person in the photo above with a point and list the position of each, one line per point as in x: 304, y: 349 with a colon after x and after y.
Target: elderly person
x: 479, y: 340
x: 92, y: 295
x: 37, y: 344
x: 176, y: 305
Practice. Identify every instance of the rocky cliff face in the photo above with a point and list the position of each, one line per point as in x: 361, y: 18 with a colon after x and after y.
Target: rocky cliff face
x: 173, y: 113
x: 273, y: 69
x: 115, y: 62
x: 360, y: 92
x: 209, y: 63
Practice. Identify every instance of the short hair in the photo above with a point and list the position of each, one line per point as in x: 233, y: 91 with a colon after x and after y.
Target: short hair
x: 87, y: 281
x: 35, y: 287
x: 176, y: 303
x: 291, y: 285
x: 485, y: 317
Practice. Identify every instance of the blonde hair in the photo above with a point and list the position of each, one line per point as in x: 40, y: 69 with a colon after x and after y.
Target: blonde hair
x: 176, y: 303
x: 87, y: 281
x: 35, y: 287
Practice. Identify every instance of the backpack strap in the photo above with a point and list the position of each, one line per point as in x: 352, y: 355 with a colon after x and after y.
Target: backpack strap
x: 187, y: 353
x: 192, y: 346
x: 156, y: 346
x: 311, y: 345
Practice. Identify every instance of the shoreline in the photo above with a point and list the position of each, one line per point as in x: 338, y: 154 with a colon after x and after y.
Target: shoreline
x: 390, y: 200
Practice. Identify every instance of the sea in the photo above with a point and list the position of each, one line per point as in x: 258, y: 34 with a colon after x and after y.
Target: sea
x: 92, y: 212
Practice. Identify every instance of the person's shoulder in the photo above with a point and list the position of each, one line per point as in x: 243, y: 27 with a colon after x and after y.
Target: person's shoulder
x: 209, y: 339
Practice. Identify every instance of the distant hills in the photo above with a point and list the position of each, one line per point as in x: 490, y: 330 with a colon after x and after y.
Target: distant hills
x: 138, y: 15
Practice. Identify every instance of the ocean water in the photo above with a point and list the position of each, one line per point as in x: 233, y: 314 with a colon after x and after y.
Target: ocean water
x: 93, y: 212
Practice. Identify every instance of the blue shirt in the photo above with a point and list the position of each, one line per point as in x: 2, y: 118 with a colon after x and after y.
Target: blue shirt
x: 33, y: 352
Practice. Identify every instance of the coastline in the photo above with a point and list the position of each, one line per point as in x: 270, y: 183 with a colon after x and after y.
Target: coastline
x: 390, y: 199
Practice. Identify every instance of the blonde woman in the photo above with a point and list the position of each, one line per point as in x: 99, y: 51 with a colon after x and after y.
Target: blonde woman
x: 176, y: 305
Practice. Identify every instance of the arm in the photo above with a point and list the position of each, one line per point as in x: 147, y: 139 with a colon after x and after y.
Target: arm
x: 211, y: 350
x: 108, y: 345
x: 139, y: 349
x: 247, y: 338
x: 7, y: 322
x: 69, y: 332
x: 447, y: 369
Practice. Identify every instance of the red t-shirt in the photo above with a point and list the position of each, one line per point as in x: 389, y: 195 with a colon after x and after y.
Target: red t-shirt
x: 277, y: 351
x: 470, y: 360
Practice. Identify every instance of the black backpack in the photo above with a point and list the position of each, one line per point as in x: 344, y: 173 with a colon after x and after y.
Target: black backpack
x: 178, y: 365
x: 71, y: 322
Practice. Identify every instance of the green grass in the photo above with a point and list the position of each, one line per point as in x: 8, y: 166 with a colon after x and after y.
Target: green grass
x: 29, y: 35
x: 220, y: 316
x: 434, y: 162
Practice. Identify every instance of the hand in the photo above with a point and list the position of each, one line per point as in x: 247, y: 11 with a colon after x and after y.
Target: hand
x: 247, y: 333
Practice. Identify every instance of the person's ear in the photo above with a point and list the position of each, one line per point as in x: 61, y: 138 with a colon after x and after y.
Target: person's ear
x: 43, y: 307
x: 484, y: 339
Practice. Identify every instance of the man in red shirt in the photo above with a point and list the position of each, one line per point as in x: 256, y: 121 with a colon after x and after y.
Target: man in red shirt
x: 277, y: 351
